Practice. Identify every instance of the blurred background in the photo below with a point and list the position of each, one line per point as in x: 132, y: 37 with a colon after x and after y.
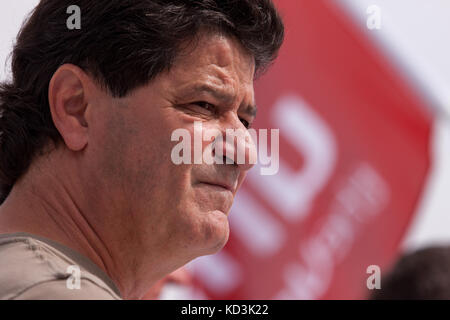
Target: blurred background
x: 361, y: 96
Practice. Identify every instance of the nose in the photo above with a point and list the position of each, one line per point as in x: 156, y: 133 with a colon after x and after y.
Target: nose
x: 235, y: 147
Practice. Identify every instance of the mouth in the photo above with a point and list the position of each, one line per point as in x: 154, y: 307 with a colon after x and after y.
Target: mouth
x: 219, y: 186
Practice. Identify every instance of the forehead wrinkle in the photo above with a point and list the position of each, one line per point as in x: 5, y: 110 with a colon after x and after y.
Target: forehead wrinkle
x: 228, y: 90
x: 220, y: 93
x: 224, y: 52
x: 221, y: 68
x: 233, y: 84
x: 220, y: 82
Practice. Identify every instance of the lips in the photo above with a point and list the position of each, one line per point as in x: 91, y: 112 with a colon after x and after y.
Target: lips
x: 218, y: 177
x: 223, y: 185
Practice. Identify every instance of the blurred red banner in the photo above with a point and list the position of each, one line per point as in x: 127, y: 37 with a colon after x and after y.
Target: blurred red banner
x: 354, y: 156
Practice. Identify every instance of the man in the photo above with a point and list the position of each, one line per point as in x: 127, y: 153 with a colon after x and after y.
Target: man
x: 94, y: 205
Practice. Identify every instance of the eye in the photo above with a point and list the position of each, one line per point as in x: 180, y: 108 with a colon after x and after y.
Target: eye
x: 205, y: 105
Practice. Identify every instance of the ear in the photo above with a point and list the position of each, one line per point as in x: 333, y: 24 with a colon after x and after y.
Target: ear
x: 68, y: 100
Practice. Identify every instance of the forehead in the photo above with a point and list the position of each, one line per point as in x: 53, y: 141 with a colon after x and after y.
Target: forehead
x: 214, y: 58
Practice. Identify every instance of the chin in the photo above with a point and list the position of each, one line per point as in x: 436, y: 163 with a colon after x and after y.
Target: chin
x: 219, y: 244
x: 214, y: 233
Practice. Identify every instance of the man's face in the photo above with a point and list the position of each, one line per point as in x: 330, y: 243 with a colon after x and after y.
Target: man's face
x: 175, y: 207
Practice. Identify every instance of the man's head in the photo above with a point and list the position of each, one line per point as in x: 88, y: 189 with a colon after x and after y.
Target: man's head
x: 108, y: 98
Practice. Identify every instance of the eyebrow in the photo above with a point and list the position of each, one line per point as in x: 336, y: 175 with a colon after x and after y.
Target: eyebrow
x: 250, y: 110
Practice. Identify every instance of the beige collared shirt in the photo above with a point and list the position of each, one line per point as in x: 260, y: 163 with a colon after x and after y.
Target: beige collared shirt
x: 33, y: 267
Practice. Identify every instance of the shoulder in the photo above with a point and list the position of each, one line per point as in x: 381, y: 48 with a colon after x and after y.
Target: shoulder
x: 31, y: 269
x: 60, y: 290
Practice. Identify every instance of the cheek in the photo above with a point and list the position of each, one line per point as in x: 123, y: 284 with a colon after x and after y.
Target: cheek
x: 131, y: 155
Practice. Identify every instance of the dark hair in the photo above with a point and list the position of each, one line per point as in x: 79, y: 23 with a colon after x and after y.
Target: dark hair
x: 123, y: 44
x: 423, y: 274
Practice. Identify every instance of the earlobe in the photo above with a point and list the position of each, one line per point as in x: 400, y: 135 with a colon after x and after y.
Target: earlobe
x: 68, y: 102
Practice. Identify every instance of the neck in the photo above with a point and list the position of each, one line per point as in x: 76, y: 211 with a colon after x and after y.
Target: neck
x: 50, y: 205
x: 49, y: 202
